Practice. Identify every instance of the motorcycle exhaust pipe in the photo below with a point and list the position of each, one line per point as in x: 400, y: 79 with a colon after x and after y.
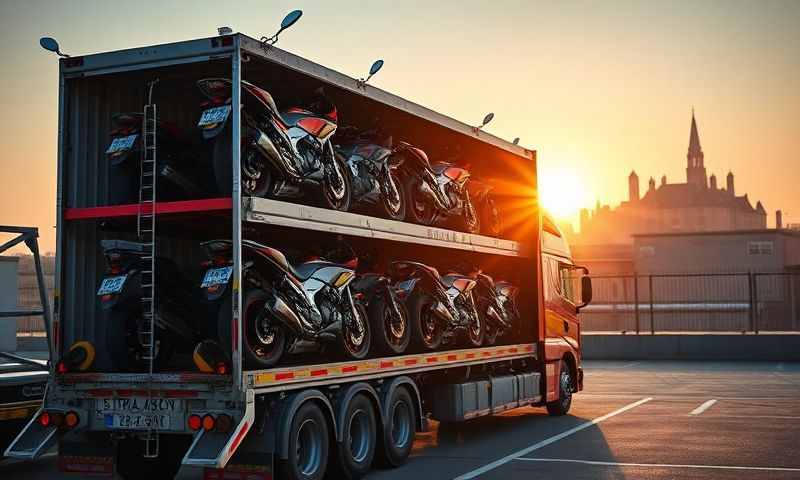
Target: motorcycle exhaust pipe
x: 268, y: 148
x: 287, y: 315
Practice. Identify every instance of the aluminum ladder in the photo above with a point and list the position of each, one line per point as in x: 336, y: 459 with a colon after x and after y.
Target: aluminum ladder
x: 146, y: 231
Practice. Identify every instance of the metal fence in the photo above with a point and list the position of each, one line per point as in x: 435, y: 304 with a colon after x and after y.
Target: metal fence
x: 708, y: 302
x: 28, y: 294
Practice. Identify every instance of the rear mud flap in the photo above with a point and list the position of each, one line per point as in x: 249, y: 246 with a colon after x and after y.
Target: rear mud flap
x: 213, y: 449
x: 33, y: 441
x: 82, y: 454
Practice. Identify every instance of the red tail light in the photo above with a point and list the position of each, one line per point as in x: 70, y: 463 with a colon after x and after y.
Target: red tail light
x: 57, y: 419
x: 195, y: 422
x: 44, y: 419
x: 71, y: 419
x: 61, y: 367
x: 221, y: 368
x: 224, y: 423
x: 208, y: 423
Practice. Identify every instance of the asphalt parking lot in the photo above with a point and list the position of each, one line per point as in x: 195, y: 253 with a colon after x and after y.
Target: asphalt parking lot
x: 635, y: 420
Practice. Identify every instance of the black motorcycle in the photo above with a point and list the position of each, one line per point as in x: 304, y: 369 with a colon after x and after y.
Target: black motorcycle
x: 181, y: 166
x: 439, y: 306
x: 437, y: 193
x: 480, y: 194
x: 496, y: 304
x: 178, y: 321
x: 283, y: 154
x: 287, y: 308
x: 377, y: 186
x: 387, y: 312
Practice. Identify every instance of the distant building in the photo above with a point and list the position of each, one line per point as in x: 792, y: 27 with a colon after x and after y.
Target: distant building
x: 698, y: 205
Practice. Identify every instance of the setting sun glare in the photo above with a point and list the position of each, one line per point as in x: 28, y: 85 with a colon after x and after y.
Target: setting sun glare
x: 562, y: 192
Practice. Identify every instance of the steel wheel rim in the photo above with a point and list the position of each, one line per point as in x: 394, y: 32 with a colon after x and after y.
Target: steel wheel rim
x: 335, y: 188
x: 308, y: 449
x: 401, y: 420
x: 355, y: 336
x: 359, y: 435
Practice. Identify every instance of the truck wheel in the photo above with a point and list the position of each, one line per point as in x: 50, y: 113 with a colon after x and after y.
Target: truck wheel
x: 131, y: 464
x: 308, y: 445
x: 357, y: 448
x: 392, y: 335
x: 426, y: 331
x: 561, y: 406
x: 398, y: 431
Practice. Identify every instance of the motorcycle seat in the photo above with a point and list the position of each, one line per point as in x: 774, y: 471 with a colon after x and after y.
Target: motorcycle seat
x: 304, y: 271
x: 123, y: 246
x: 456, y: 280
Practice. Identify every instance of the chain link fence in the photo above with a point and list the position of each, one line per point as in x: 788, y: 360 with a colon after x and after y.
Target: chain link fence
x: 694, y: 302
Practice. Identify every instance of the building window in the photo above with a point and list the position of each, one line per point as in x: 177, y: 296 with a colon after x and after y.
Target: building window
x: 647, y: 251
x: 760, y: 248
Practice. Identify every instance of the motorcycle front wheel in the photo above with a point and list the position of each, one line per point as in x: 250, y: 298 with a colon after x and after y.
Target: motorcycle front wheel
x: 256, y: 176
x: 393, y: 200
x: 490, y: 219
x: 426, y: 329
x: 476, y: 330
x: 336, y: 186
x: 263, y: 340
x: 392, y: 334
x: 356, y: 334
x: 420, y: 209
x: 472, y: 224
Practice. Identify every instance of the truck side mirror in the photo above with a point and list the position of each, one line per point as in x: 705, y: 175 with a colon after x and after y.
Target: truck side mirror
x: 586, y: 291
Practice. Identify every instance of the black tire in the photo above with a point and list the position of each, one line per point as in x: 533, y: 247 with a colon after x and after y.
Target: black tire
x: 329, y: 199
x: 471, y: 220
x: 489, y: 329
x: 354, y: 345
x: 357, y: 449
x: 223, y: 173
x: 418, y: 210
x: 426, y: 331
x: 399, y: 211
x: 490, y: 336
x: 476, y: 330
x: 131, y: 464
x: 561, y: 406
x: 256, y: 354
x: 390, y: 337
x: 400, y: 418
x: 309, y: 442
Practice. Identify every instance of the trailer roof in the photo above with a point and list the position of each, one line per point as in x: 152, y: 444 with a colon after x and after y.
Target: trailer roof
x: 216, y: 47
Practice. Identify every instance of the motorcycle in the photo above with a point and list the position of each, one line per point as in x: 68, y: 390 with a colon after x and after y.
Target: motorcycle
x: 496, y: 304
x: 283, y: 154
x: 287, y: 308
x: 180, y: 164
x: 376, y: 182
x: 120, y: 295
x: 440, y: 306
x: 480, y: 194
x: 437, y: 193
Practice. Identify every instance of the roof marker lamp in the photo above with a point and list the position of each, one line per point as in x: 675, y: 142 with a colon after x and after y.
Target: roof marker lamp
x: 50, y: 44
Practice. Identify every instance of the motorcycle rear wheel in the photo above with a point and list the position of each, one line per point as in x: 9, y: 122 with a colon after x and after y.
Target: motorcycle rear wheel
x: 356, y: 345
x: 426, y: 329
x: 419, y: 209
x: 258, y: 353
x: 476, y: 330
x: 392, y: 335
x: 396, y: 211
x: 221, y: 161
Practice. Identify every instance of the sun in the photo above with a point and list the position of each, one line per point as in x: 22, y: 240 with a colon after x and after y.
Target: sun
x: 562, y: 192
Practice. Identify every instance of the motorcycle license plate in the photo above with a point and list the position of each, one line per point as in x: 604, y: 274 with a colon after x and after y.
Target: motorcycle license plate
x: 216, y: 276
x: 138, y: 413
x: 120, y: 144
x: 213, y: 116
x: 111, y: 285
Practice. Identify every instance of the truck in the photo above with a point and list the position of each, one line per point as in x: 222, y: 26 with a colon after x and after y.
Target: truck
x: 314, y: 414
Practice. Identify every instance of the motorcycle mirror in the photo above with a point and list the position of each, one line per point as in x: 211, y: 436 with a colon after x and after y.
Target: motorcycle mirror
x: 488, y: 118
x: 516, y: 141
x: 50, y: 44
x: 377, y: 65
x: 290, y: 19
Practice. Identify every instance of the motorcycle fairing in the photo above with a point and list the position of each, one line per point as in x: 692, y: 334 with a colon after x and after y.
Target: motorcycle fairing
x: 456, y: 174
x: 507, y: 289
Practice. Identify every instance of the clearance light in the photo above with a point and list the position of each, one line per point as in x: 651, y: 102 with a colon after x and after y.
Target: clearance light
x: 208, y: 423
x: 71, y: 419
x: 44, y: 419
x: 195, y: 422
x: 224, y: 423
x: 221, y: 368
x: 61, y: 367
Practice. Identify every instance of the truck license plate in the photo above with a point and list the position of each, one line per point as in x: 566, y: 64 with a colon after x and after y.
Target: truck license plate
x: 139, y: 413
x: 213, y: 116
x: 111, y: 285
x: 216, y: 276
x: 122, y: 143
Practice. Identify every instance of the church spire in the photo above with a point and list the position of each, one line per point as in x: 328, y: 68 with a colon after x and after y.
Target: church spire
x: 695, y: 170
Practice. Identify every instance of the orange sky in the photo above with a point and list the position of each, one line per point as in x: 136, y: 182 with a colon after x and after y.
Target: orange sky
x: 598, y: 88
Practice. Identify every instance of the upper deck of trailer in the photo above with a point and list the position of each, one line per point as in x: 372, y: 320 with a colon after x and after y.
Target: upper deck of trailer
x: 210, y: 48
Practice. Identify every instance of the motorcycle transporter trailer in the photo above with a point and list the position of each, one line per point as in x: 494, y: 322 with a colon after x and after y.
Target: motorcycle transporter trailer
x: 297, y: 419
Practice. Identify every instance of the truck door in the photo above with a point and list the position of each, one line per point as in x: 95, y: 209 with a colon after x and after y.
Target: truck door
x: 561, y: 319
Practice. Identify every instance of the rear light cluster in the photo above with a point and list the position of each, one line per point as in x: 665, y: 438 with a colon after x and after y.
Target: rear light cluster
x: 59, y: 419
x: 222, y: 423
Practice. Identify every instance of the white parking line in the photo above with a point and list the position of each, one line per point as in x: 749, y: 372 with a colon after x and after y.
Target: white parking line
x: 500, y: 462
x: 702, y: 408
x: 660, y: 465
